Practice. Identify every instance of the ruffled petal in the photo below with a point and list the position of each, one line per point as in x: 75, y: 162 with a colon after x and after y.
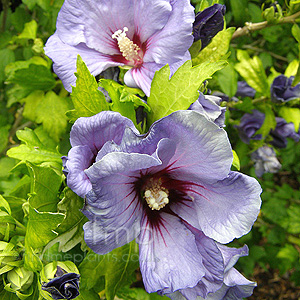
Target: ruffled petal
x: 79, y: 159
x: 64, y: 58
x: 228, y: 208
x: 170, y: 44
x: 169, y: 258
x: 112, y: 206
x: 213, y: 264
x: 235, y: 287
x: 95, y: 131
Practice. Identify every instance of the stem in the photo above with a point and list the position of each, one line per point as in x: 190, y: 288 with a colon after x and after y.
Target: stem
x: 249, y: 27
x: 5, y: 6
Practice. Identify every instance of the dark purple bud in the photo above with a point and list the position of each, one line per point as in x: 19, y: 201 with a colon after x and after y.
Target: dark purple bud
x: 208, y: 23
x: 282, y: 89
x: 249, y: 124
x: 265, y: 161
x: 64, y: 163
x: 244, y: 90
x: 63, y: 287
x: 282, y: 131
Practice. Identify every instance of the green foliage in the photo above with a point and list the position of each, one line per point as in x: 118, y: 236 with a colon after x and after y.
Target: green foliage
x: 86, y: 97
x: 251, y: 69
x: 168, y: 95
x: 117, y: 267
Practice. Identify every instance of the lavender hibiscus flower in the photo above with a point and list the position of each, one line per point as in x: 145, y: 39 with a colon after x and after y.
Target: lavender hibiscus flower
x: 265, y: 161
x: 142, y: 35
x: 282, y: 131
x: 282, y: 89
x: 172, y: 190
x: 210, y: 107
x: 249, y: 124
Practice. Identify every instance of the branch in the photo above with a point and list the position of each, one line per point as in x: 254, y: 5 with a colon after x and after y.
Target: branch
x: 250, y: 27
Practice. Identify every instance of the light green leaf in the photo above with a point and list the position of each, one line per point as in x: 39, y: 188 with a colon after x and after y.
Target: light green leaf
x: 4, y: 133
x: 51, y: 113
x: 169, y: 95
x: 117, y: 267
x: 217, y: 48
x: 123, y: 99
x: 296, y: 32
x: 292, y: 68
x: 269, y: 122
x: 31, y: 260
x: 29, y: 31
x: 252, y: 70
x: 291, y: 114
x: 40, y: 227
x: 86, y: 97
x: 34, y: 150
x: 44, y: 188
x: 236, y: 160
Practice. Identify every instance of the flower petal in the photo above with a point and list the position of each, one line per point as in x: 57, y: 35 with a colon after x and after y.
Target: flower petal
x: 169, y: 258
x: 176, y: 34
x: 228, y: 208
x: 150, y: 17
x: 203, y: 150
x: 213, y: 264
x: 64, y: 57
x: 112, y: 205
x: 95, y: 131
x: 94, y: 23
x: 79, y: 159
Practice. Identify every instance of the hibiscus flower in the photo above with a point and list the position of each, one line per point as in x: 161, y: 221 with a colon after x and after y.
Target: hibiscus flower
x: 142, y: 35
x: 172, y: 190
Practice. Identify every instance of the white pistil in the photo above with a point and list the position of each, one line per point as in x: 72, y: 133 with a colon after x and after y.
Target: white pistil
x: 128, y: 49
x: 156, y: 196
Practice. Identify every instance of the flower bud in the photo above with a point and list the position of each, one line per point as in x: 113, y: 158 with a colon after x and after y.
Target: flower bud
x: 244, y: 90
x: 208, y: 23
x: 20, y: 279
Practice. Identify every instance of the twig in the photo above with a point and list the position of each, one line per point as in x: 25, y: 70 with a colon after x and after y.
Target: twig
x: 250, y: 27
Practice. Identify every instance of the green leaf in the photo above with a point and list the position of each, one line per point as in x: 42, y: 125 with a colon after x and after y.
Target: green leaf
x: 70, y: 230
x: 4, y: 133
x: 34, y: 150
x: 296, y: 32
x: 169, y: 95
x: 86, y: 97
x: 227, y: 79
x: 44, y: 188
x: 291, y: 114
x: 117, y: 267
x: 294, y: 219
x: 29, y: 31
x: 41, y: 226
x: 123, y: 99
x: 252, y: 70
x: 34, y: 77
x: 269, y: 122
x: 292, y: 68
x: 217, y: 48
x: 236, y: 160
x: 288, y: 253
x: 51, y: 112
x: 6, y: 56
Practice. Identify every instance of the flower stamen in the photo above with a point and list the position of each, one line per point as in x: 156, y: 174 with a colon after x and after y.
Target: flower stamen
x: 128, y: 49
x: 155, y: 195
